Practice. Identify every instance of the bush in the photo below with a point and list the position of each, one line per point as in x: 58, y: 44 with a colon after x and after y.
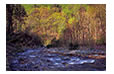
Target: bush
x: 73, y: 46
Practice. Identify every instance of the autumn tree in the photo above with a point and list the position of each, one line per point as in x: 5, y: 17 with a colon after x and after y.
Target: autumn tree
x: 97, y: 14
x: 46, y: 23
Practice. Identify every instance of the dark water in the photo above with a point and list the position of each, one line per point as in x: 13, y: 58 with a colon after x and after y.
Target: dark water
x: 39, y: 60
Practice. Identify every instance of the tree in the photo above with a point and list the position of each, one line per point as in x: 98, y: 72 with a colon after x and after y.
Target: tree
x: 46, y: 23
x: 15, y: 14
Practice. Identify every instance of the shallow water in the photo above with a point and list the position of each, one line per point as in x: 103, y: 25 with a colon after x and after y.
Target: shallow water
x: 38, y: 60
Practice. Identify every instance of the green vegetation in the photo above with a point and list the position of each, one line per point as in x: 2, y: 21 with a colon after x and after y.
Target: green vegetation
x: 59, y: 24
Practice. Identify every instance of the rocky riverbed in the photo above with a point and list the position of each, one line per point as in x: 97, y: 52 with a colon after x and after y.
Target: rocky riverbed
x: 42, y: 59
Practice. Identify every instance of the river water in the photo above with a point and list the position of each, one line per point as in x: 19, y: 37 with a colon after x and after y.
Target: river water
x: 39, y: 60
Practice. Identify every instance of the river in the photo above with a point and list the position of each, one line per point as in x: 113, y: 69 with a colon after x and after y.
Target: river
x: 40, y: 60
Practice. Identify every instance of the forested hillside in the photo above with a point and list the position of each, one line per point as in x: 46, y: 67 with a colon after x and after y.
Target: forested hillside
x: 61, y: 24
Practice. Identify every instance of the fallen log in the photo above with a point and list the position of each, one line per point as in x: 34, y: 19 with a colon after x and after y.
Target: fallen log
x: 97, y: 57
x: 93, y: 56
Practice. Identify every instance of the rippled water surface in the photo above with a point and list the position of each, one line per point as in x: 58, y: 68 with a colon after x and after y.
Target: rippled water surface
x: 39, y: 60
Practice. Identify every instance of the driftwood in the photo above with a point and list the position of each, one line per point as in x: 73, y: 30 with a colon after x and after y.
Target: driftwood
x: 97, y: 57
x: 78, y: 54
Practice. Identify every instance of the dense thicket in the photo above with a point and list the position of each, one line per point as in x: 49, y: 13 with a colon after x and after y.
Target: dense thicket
x: 59, y: 24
